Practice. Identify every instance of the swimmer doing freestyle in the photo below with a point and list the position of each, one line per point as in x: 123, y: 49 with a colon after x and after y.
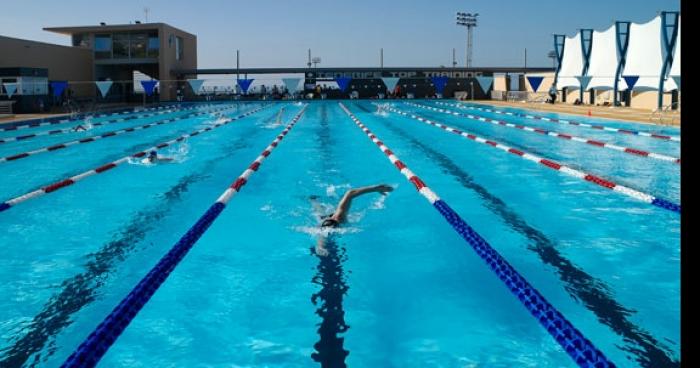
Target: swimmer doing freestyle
x: 340, y: 215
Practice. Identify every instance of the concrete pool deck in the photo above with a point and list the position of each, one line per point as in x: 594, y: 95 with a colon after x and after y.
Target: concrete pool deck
x: 599, y: 112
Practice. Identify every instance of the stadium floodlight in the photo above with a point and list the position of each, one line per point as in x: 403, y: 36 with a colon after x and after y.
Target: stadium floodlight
x: 467, y: 20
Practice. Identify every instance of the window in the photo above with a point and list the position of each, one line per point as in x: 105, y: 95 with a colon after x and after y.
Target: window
x: 120, y: 45
x: 178, y: 48
x: 153, y: 45
x: 81, y: 40
x: 103, y: 46
x: 138, y: 44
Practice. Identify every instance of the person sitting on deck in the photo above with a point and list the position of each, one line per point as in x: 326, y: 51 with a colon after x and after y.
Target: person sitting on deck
x: 340, y: 214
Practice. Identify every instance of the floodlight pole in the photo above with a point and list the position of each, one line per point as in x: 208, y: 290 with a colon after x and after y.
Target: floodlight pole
x: 468, y: 20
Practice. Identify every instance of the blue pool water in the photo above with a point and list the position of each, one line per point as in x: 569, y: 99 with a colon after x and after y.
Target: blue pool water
x: 400, y: 287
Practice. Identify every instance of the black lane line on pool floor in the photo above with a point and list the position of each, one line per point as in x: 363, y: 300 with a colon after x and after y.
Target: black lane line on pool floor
x: 464, y: 126
x: 80, y: 290
x: 329, y: 349
x: 581, y: 286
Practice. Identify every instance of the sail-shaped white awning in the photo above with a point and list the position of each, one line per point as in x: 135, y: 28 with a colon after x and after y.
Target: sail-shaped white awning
x: 604, y: 61
x: 670, y: 84
x: 571, y: 63
x: 645, y: 54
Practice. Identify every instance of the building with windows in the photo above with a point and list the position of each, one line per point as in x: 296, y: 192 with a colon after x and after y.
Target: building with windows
x: 108, y: 52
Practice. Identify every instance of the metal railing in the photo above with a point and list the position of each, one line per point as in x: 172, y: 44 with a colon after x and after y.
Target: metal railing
x: 666, y: 115
x: 6, y: 107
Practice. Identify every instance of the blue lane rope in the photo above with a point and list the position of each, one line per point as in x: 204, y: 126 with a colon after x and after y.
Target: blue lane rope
x: 582, y: 350
x: 89, y: 353
x: 99, y: 341
x: 584, y: 353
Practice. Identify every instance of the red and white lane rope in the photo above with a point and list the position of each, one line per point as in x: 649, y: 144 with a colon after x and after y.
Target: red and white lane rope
x: 569, y: 122
x: 74, y: 179
x: 631, y: 151
x: 644, y: 197
x: 90, y: 139
x: 99, y: 123
x: 96, y: 345
x: 55, y: 121
x: 579, y: 348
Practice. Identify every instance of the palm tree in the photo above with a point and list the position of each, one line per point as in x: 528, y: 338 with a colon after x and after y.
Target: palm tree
x: 552, y: 55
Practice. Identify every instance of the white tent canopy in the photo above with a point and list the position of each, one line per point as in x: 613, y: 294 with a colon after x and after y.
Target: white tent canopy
x: 670, y: 85
x: 604, y: 61
x: 571, y: 63
x: 645, y: 54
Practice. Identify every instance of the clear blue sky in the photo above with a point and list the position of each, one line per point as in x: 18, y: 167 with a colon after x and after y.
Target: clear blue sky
x: 348, y: 33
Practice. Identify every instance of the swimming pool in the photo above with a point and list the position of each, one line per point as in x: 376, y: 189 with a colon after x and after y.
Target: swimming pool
x: 399, y: 288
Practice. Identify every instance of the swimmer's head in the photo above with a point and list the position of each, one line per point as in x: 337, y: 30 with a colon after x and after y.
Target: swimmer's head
x: 152, y: 154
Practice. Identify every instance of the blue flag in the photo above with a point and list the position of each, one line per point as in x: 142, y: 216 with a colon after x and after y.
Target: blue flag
x: 677, y: 79
x: 58, y: 88
x: 584, y: 80
x: 10, y: 89
x: 343, y: 83
x: 244, y: 84
x: 291, y: 84
x: 104, y: 87
x: 440, y: 83
x: 485, y: 83
x: 148, y: 86
x: 631, y: 80
x: 535, y: 82
x: 390, y: 82
x: 196, y: 84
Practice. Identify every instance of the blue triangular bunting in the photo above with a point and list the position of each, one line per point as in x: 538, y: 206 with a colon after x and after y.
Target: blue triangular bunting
x: 584, y: 80
x: 148, y: 86
x: 440, y: 83
x: 58, y: 87
x: 677, y: 79
x: 244, y: 84
x: 485, y: 83
x: 343, y: 83
x: 104, y: 87
x: 196, y: 84
x: 10, y: 89
x: 292, y: 84
x: 631, y: 80
x: 390, y: 83
x: 535, y: 82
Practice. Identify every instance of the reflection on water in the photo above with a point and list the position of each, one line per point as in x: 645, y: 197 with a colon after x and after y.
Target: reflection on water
x: 329, y: 300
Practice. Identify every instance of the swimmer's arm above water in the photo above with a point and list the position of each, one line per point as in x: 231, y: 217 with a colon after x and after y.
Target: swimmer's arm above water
x: 344, y: 204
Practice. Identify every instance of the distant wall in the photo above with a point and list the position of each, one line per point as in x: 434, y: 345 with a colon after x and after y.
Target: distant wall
x: 168, y: 58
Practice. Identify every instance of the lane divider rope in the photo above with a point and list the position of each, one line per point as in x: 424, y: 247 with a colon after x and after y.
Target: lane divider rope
x: 569, y: 122
x: 114, y: 133
x: 644, y: 197
x: 99, y: 341
x: 55, y: 121
x: 582, y: 350
x: 100, y: 123
x: 628, y: 150
x: 4, y: 206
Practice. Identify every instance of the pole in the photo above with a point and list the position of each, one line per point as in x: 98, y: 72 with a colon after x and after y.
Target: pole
x: 526, y: 58
x: 467, y: 62
x: 238, y: 64
x: 309, y: 63
x: 381, y: 58
x: 454, y: 61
